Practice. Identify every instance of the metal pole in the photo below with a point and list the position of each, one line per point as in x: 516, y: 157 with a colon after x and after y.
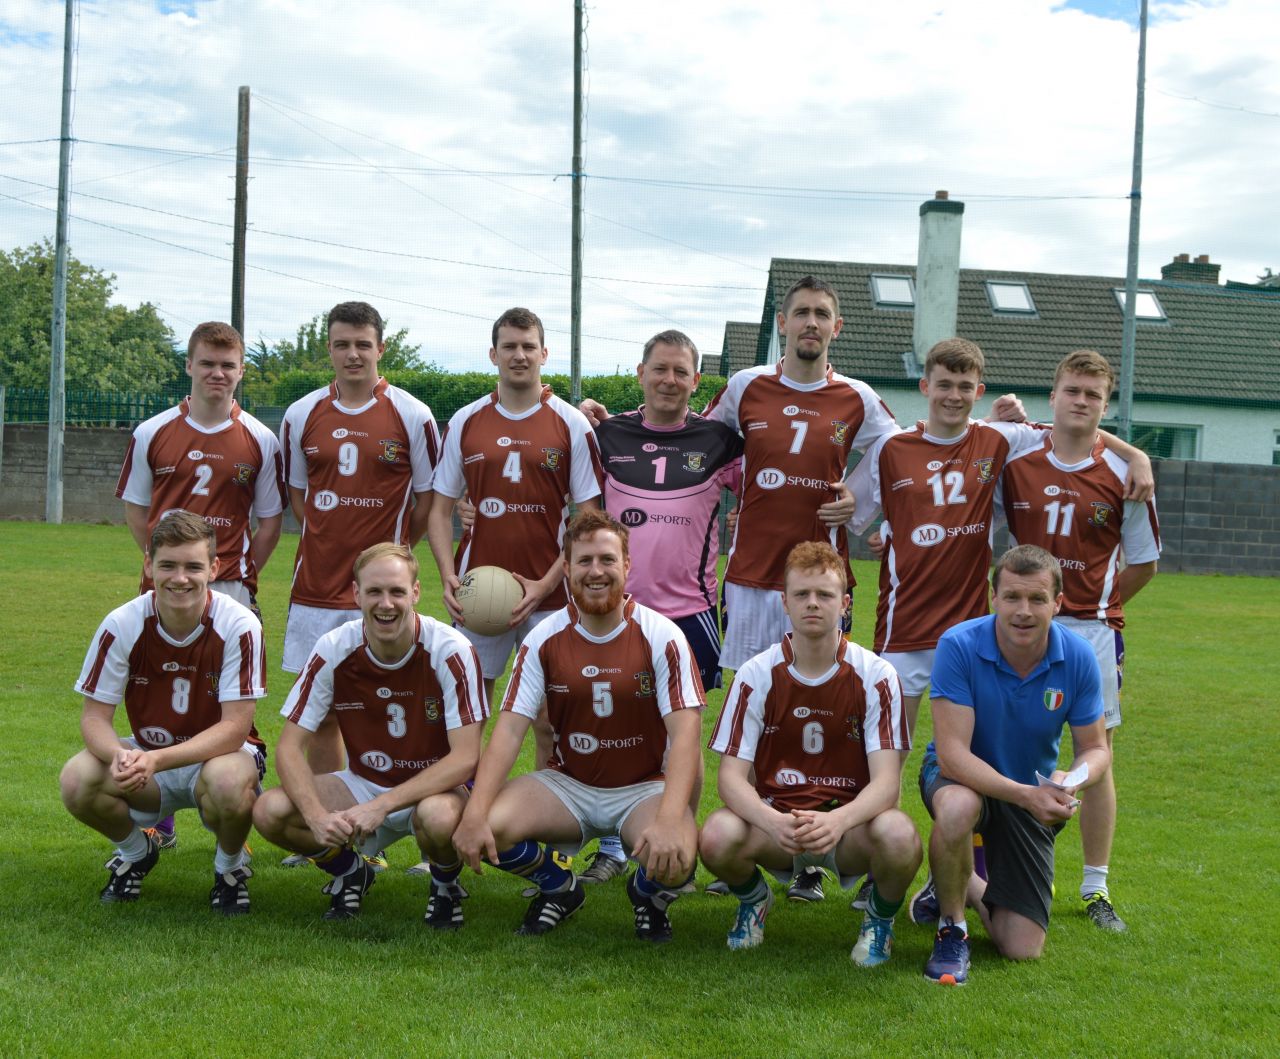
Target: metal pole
x: 1129, y: 341
x: 575, y: 268
x: 241, y: 212
x: 58, y: 343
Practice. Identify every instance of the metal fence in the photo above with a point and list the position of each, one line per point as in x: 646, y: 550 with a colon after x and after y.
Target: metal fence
x: 23, y: 404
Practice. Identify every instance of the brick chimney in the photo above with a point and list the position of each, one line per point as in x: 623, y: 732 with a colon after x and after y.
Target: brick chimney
x: 937, y: 275
x: 1183, y: 270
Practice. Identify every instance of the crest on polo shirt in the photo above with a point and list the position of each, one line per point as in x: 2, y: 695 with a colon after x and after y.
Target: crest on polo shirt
x: 551, y: 459
x: 243, y: 473
x: 1053, y: 699
x: 1102, y: 513
x: 839, y: 431
x: 391, y: 448
x: 986, y: 468
x: 694, y: 461
x: 645, y: 680
x: 432, y: 710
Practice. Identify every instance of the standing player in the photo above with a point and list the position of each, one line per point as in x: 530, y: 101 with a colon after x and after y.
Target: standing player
x: 1003, y: 688
x: 624, y: 701
x: 813, y: 741
x: 359, y: 457
x: 521, y: 454
x: 664, y: 470
x: 1068, y: 496
x: 210, y: 457
x: 408, y: 699
x: 188, y: 664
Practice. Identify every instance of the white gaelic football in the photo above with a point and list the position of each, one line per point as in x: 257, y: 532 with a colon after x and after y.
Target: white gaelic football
x: 487, y: 596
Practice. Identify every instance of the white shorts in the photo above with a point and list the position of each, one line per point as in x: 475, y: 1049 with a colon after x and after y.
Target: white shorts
x: 600, y: 811
x: 1108, y: 646
x: 812, y: 860
x: 754, y: 622
x: 304, y: 628
x: 394, y: 827
x: 913, y: 668
x: 237, y: 590
x: 495, y: 651
x: 178, y: 786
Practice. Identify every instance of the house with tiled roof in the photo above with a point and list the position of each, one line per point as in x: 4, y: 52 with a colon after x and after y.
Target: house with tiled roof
x: 741, y: 338
x: 1206, y: 366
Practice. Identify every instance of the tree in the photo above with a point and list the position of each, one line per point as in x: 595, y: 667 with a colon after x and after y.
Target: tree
x: 110, y: 348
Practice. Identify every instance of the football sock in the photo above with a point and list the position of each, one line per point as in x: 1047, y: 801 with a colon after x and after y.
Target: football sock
x: 964, y: 927
x: 1094, y: 881
x: 753, y: 890
x: 134, y: 847
x: 979, y: 857
x: 528, y: 860
x: 443, y: 875
x: 337, y: 862
x: 166, y: 825
x: 225, y: 862
x: 660, y: 895
x: 880, y: 906
x: 611, y: 846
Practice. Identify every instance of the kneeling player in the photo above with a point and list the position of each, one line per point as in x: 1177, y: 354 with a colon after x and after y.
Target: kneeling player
x: 624, y: 700
x: 818, y: 721
x: 410, y: 706
x: 188, y: 664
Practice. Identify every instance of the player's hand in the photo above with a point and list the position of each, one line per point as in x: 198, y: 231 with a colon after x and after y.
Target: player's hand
x: 731, y: 521
x: 534, y: 594
x: 451, y: 584
x: 131, y: 769
x: 364, y: 818
x: 1050, y: 805
x: 782, y: 829
x: 473, y: 839
x: 1007, y: 408
x: 1140, y: 484
x: 838, y: 511
x: 876, y: 544
x: 332, y: 830
x: 595, y: 412
x: 816, y: 832
x: 466, y: 512
x: 667, y: 849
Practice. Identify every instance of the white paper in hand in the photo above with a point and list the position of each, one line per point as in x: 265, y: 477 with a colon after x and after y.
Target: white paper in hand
x: 1071, y: 779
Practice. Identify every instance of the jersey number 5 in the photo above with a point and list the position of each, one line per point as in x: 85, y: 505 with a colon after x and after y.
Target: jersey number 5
x: 602, y: 698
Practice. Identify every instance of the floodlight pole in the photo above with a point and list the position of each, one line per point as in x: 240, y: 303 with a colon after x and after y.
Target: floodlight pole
x: 1129, y: 341
x: 58, y: 336
x: 241, y: 217
x: 575, y: 267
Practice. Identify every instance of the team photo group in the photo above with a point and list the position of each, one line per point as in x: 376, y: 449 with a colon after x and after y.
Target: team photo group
x: 618, y: 627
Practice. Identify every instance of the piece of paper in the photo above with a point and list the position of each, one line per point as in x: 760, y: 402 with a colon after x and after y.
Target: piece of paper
x: 1071, y: 779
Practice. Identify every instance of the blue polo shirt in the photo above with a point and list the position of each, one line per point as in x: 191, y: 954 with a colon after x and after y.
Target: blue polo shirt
x: 1018, y: 720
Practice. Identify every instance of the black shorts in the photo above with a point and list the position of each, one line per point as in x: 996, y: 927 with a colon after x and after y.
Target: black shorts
x: 1019, y: 849
x: 702, y: 630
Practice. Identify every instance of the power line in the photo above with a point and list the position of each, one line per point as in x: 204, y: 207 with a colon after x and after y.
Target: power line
x: 1217, y: 105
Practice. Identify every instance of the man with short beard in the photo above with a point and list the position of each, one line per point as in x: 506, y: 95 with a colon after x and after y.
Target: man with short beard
x: 624, y: 699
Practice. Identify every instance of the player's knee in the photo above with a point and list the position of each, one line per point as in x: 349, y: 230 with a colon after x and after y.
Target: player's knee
x: 1020, y: 947
x: 956, y: 809
x: 271, y: 812
x: 722, y: 835
x: 227, y: 782
x: 80, y: 780
x: 436, y: 818
x: 894, y: 834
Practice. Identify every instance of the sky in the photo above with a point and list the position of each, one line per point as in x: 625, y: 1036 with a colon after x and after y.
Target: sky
x: 417, y: 155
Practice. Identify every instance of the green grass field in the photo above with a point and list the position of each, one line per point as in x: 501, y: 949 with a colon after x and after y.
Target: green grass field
x: 1196, y: 873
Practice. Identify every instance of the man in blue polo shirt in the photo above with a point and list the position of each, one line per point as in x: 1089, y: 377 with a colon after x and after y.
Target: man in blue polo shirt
x: 1003, y: 686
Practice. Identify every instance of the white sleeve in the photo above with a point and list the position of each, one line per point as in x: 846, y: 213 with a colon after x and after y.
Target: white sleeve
x: 137, y: 488
x: 737, y: 732
x: 295, y: 418
x: 1139, y: 532
x: 105, y: 672
x: 1022, y: 437
x: 243, y: 662
x: 585, y: 474
x: 311, y: 697
x: 675, y: 673
x: 527, y: 686
x: 884, y: 696
x: 448, y: 476
x: 724, y: 405
x: 458, y: 672
x: 864, y: 484
x: 424, y: 443
x: 877, y: 420
x: 268, y: 490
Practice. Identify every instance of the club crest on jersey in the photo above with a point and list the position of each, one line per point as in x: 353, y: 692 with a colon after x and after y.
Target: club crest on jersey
x: 243, y: 473
x: 986, y: 469
x: 432, y: 710
x: 390, y: 449
x: 1053, y: 699
x: 645, y: 680
x: 1102, y: 513
x: 855, y: 730
x: 551, y: 459
x: 839, y: 431
x: 694, y: 461
x: 214, y: 680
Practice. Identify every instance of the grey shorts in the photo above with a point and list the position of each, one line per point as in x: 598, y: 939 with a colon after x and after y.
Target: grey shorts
x: 600, y: 811
x: 178, y: 786
x: 1019, y: 849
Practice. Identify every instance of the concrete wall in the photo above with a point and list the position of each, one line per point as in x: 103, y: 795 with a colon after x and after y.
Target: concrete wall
x: 1214, y: 517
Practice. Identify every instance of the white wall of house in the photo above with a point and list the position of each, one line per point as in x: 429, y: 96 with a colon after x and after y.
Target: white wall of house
x: 1225, y: 434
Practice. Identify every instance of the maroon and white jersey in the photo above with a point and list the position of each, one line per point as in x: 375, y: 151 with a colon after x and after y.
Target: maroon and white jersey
x: 1079, y: 514
x: 796, y: 440
x: 174, y: 690
x: 809, y: 739
x: 520, y: 470
x: 360, y: 468
x: 938, y: 496
x: 606, y: 696
x: 395, y: 718
x: 224, y: 474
